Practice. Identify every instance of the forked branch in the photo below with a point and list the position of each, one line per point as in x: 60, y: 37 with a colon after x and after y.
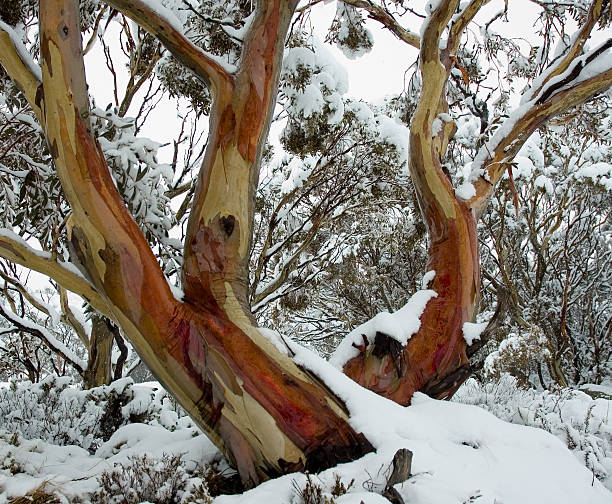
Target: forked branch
x: 154, y: 19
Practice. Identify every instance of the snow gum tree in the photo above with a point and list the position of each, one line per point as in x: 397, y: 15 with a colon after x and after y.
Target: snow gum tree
x: 268, y: 415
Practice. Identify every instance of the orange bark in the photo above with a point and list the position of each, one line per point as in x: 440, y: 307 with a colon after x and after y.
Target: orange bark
x: 434, y: 360
x: 268, y: 416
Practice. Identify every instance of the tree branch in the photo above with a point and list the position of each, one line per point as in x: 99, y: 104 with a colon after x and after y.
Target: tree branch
x: 20, y: 67
x: 14, y: 249
x: 46, y: 337
x: 496, y: 155
x: 164, y: 28
x: 69, y: 317
x: 574, y: 51
x: 384, y: 17
x: 460, y: 24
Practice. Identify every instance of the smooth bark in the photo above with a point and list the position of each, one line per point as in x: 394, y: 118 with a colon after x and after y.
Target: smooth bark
x: 265, y: 414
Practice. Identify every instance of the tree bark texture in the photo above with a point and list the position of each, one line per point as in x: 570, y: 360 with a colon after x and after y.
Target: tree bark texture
x: 267, y: 415
x: 434, y: 359
x: 99, y: 363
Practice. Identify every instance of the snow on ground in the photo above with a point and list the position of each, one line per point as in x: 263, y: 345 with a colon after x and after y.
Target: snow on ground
x: 462, y: 454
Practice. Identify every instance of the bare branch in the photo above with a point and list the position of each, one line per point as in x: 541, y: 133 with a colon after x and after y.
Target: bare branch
x: 171, y: 36
x: 69, y: 318
x: 461, y: 22
x: 384, y: 17
x: 46, y: 337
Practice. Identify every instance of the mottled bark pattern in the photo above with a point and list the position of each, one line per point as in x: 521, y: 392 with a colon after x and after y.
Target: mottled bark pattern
x: 432, y: 357
x: 264, y: 413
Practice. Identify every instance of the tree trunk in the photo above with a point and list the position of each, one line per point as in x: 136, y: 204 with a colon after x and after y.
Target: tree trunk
x: 99, y: 363
x: 434, y: 359
x: 268, y: 416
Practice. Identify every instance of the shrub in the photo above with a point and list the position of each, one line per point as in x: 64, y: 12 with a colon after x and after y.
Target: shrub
x: 155, y: 480
x: 59, y: 413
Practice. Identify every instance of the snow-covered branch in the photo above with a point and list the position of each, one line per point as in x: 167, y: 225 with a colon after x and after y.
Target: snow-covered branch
x: 163, y: 24
x: 383, y: 16
x: 46, y: 337
x: 15, y: 249
x: 20, y: 66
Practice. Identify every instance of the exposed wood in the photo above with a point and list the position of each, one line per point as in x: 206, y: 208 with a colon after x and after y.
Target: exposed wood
x: 402, y: 463
x: 264, y: 413
x: 438, y: 348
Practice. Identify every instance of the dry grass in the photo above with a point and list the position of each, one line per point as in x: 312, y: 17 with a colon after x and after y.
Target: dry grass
x: 37, y: 496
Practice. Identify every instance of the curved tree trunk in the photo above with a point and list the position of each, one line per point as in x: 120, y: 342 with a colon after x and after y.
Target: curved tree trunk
x: 434, y: 359
x: 267, y: 415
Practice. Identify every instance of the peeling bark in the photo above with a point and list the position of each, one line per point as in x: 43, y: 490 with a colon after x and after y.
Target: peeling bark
x: 267, y: 416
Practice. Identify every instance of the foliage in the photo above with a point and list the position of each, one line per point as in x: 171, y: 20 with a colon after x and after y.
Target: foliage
x: 56, y: 412
x: 549, y: 249
x: 144, y: 478
x: 313, y: 493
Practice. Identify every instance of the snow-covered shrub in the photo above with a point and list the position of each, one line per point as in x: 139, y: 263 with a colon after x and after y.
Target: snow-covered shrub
x: 315, y: 493
x: 57, y: 412
x: 518, y: 355
x: 156, y: 480
x: 579, y: 420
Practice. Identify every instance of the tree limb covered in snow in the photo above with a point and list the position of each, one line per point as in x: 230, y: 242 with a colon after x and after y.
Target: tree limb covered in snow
x: 14, y: 249
x: 383, y: 16
x: 159, y: 23
x: 20, y: 67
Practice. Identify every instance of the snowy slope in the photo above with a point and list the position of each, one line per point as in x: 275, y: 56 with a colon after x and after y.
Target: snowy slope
x: 462, y: 454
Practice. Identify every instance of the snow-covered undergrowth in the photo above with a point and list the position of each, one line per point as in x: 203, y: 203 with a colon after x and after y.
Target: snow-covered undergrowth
x: 581, y: 421
x: 461, y: 454
x: 59, y: 413
x: 79, y: 444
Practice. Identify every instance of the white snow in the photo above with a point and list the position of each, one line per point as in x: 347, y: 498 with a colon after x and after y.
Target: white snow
x: 396, y: 134
x: 400, y: 325
x: 461, y: 453
x: 428, y: 278
x: 436, y: 127
x: 465, y: 191
x: 599, y: 173
x: 472, y: 331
